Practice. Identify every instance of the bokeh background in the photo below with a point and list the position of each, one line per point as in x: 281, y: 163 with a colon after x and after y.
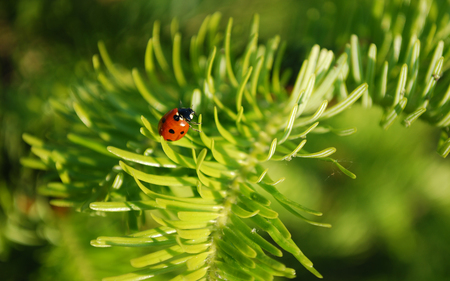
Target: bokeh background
x: 391, y: 223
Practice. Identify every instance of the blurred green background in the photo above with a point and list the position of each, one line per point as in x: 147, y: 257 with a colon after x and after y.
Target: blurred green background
x: 391, y: 223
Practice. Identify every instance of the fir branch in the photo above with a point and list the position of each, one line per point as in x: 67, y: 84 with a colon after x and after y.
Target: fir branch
x: 203, y: 189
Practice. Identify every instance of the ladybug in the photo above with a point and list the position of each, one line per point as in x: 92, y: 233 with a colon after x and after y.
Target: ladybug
x: 175, y: 123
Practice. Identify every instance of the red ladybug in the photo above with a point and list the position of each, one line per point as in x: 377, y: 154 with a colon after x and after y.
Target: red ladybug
x: 175, y: 123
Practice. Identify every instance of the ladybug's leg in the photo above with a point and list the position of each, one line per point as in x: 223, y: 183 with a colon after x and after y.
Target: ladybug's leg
x: 197, y: 130
x: 194, y: 123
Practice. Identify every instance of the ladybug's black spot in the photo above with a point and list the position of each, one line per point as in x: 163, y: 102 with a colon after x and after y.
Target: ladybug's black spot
x: 171, y: 131
x: 182, y: 132
x: 169, y: 139
x: 176, y: 117
x: 163, y: 120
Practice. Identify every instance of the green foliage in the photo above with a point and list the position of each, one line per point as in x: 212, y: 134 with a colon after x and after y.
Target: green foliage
x: 198, y: 203
x: 203, y: 187
x: 403, y: 76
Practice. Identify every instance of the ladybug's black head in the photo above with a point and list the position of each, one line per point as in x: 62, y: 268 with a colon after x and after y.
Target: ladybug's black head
x: 187, y: 113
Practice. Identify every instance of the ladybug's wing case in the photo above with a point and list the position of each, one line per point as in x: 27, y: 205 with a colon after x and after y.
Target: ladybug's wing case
x: 163, y: 121
x: 171, y: 127
x: 180, y: 130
